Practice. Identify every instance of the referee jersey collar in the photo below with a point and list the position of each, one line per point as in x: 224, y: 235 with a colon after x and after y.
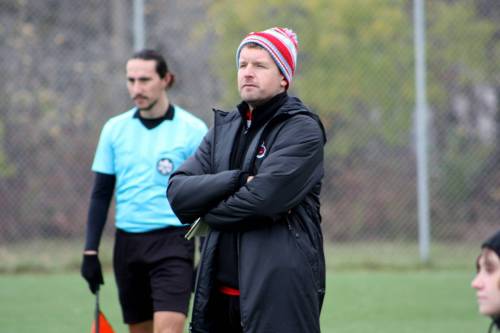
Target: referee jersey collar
x: 169, y: 115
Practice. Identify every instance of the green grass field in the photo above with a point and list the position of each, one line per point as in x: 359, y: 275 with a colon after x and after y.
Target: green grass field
x: 357, y: 301
x: 389, y: 292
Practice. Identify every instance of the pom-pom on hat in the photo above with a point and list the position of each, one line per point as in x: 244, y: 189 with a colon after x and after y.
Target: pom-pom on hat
x: 282, y: 45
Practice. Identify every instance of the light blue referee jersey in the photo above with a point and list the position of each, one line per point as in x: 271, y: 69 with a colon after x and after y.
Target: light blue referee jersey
x: 142, y: 160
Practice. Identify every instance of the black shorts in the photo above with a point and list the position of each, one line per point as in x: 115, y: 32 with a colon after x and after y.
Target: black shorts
x: 153, y: 272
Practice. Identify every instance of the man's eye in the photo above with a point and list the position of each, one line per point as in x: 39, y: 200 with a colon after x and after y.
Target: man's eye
x: 490, y: 269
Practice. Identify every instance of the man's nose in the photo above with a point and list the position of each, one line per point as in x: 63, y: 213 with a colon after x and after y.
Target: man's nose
x: 248, y: 71
x: 476, y: 282
x: 136, y: 87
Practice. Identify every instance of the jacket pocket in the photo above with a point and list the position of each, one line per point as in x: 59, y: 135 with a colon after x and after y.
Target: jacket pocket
x: 308, y: 250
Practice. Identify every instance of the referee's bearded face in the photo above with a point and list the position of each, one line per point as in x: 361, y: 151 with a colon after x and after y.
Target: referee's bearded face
x: 144, y: 84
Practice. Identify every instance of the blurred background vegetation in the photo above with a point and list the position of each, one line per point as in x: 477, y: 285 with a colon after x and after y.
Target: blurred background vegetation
x: 62, y: 64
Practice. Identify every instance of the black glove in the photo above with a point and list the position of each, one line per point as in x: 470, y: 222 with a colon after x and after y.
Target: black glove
x: 92, y: 272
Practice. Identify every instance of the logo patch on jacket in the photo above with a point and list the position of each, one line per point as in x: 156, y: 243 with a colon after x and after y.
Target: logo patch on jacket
x: 261, y: 152
x: 165, y: 166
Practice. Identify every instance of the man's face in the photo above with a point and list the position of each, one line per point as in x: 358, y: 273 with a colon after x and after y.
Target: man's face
x: 259, y: 79
x: 487, y: 283
x: 144, y: 84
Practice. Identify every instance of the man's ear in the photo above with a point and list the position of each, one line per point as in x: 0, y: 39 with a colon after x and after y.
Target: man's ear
x: 169, y: 80
x: 284, y: 82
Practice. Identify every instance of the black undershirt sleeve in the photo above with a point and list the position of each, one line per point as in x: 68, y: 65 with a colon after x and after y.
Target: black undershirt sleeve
x: 102, y: 194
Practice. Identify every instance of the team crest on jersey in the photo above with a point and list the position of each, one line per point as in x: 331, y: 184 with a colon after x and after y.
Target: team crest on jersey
x: 261, y: 152
x: 165, y: 166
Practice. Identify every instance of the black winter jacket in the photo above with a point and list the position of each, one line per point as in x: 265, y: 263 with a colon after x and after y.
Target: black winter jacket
x: 276, y: 217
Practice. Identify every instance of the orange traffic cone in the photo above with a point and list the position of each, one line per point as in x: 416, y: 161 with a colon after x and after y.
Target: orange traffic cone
x: 100, y: 323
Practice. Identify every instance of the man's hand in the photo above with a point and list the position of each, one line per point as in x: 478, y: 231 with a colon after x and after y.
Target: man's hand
x: 91, y: 270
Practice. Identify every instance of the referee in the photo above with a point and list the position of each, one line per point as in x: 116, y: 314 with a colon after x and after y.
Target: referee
x: 137, y: 152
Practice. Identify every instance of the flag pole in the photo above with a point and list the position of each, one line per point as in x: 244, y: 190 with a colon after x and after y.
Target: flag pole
x: 97, y: 310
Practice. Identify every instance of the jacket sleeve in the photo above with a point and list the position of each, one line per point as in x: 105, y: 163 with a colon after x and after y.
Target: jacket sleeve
x: 192, y: 190
x: 293, y: 166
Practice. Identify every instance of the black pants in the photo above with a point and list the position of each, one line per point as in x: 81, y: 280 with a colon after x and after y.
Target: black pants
x: 225, y: 313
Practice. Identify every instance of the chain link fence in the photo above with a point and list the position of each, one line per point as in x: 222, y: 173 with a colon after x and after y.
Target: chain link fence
x: 63, y: 62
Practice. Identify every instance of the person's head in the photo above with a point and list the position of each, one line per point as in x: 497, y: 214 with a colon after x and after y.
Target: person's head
x: 487, y: 280
x: 148, y: 78
x: 266, y: 63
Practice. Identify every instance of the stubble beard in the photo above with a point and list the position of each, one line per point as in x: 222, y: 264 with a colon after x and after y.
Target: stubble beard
x: 149, y: 107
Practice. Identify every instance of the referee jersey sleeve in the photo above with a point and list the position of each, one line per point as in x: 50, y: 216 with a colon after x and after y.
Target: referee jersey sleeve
x: 104, y: 155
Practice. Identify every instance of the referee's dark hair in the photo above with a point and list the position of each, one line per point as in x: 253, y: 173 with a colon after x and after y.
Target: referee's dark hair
x: 148, y: 54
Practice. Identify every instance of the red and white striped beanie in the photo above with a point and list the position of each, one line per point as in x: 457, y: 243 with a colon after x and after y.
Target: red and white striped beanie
x: 282, y: 45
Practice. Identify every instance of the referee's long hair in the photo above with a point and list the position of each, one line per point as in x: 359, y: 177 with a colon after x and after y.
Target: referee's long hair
x: 161, y: 63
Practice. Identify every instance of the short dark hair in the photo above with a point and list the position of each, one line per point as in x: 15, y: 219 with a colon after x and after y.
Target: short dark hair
x: 148, y: 54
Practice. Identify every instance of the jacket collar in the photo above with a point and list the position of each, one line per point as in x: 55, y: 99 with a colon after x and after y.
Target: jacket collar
x: 290, y: 106
x: 283, y: 103
x: 495, y: 323
x: 264, y: 112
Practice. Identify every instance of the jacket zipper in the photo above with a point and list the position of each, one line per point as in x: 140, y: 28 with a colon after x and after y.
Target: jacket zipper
x: 242, y: 323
